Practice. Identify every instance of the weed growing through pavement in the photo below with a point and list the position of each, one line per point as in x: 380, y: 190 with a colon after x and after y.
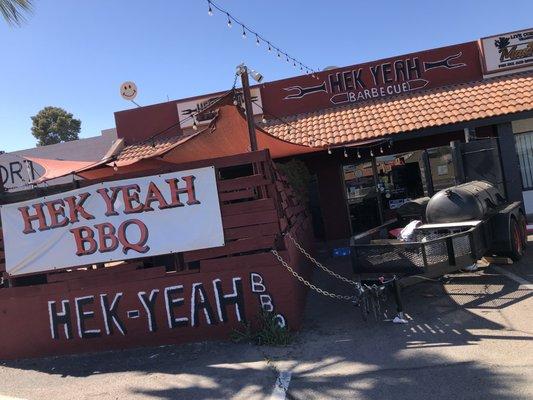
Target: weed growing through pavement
x: 268, y: 332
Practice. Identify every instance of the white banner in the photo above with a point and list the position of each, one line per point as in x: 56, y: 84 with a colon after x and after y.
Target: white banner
x: 112, y: 221
x: 508, y: 52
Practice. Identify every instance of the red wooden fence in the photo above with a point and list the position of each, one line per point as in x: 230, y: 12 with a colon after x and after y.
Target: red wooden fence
x: 258, y: 206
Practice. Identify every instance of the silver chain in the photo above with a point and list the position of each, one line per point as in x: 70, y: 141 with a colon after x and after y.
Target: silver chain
x: 310, y: 285
x: 322, y: 267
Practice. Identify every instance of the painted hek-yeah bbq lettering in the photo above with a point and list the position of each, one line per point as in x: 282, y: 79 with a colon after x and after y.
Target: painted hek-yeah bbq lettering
x: 106, y: 237
x: 179, y: 306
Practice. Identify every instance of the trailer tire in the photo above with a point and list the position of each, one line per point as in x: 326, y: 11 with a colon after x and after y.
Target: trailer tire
x: 517, y: 236
x: 522, y: 223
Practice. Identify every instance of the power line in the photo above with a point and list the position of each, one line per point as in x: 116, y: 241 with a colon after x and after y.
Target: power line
x: 246, y: 31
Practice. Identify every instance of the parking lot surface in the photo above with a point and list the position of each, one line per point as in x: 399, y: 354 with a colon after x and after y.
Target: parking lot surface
x: 469, y: 336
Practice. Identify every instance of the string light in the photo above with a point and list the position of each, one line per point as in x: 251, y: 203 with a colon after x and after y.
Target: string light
x: 381, y: 149
x: 194, y: 125
x: 258, y: 38
x: 371, y: 153
x: 264, y: 120
x: 329, y: 150
x: 358, y: 154
x: 345, y: 154
x: 115, y: 167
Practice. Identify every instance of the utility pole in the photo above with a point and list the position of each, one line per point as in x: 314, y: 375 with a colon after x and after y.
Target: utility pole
x: 243, y: 72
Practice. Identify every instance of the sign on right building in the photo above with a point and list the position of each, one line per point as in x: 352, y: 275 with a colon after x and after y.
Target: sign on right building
x: 507, y: 53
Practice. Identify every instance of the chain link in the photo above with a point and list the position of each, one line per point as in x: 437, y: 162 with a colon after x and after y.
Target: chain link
x: 313, y: 287
x: 319, y: 265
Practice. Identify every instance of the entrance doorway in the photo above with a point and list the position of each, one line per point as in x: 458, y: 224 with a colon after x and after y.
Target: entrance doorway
x: 375, y: 189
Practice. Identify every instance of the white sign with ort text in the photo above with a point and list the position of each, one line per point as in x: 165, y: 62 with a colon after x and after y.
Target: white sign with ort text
x: 112, y: 221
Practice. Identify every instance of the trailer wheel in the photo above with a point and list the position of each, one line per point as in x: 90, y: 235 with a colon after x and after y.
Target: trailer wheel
x: 522, y: 223
x: 518, y: 238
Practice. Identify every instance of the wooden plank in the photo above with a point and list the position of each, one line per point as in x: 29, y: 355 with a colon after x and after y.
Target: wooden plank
x: 64, y: 276
x: 248, y: 207
x: 251, y: 231
x: 237, y: 195
x: 259, y: 260
x: 126, y: 276
x: 243, y: 182
x: 238, y: 246
x: 221, y: 162
x: 262, y: 217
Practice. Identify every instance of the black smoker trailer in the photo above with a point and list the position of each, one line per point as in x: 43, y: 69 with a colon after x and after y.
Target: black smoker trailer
x: 461, y: 224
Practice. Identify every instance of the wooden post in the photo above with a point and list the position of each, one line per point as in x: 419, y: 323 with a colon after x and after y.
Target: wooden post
x: 248, y: 107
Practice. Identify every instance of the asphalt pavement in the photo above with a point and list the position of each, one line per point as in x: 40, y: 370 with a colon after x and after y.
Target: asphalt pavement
x: 468, y: 337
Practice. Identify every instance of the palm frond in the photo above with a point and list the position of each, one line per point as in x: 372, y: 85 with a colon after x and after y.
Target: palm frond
x: 13, y: 10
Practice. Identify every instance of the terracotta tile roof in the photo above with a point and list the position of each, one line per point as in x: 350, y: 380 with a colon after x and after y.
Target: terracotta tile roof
x: 404, y: 113
x: 147, y: 149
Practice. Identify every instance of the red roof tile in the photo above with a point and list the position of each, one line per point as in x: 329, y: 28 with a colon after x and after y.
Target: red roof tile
x: 404, y: 113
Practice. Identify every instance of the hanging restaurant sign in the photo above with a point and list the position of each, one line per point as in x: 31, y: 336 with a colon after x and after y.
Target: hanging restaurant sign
x: 373, y: 80
x: 112, y: 221
x: 507, y: 52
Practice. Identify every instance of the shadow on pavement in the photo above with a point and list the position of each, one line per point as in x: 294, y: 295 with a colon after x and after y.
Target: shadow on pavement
x: 336, y: 355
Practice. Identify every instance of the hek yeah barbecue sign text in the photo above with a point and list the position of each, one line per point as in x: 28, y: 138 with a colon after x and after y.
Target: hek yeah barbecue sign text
x: 112, y: 221
x: 373, y: 80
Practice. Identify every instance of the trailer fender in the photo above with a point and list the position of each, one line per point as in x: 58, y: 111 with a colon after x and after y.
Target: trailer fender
x: 500, y: 224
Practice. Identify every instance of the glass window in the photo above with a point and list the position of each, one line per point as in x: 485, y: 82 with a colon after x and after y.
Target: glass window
x: 524, y: 149
x: 361, y: 197
x: 442, y: 170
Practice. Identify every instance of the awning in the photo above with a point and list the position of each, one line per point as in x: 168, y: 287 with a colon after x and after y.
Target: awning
x: 377, y: 119
x: 226, y: 135
x: 58, y: 168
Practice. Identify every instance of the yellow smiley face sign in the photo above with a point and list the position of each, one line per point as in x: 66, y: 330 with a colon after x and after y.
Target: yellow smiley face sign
x: 128, y: 90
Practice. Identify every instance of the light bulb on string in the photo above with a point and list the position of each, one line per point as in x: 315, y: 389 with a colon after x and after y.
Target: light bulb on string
x: 195, y: 125
x: 345, y: 153
x: 210, y: 10
x: 269, y: 47
x: 329, y: 150
x: 115, y: 167
x: 243, y: 32
x: 229, y: 20
x: 287, y: 57
x: 371, y: 153
x: 264, y: 120
x: 381, y: 149
x: 279, y: 55
x: 358, y: 154
x: 257, y: 40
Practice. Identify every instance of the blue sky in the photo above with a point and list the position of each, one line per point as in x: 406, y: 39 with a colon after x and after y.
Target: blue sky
x: 75, y: 54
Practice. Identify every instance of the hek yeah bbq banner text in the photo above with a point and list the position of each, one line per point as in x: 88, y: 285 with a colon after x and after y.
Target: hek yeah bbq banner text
x: 118, y: 220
